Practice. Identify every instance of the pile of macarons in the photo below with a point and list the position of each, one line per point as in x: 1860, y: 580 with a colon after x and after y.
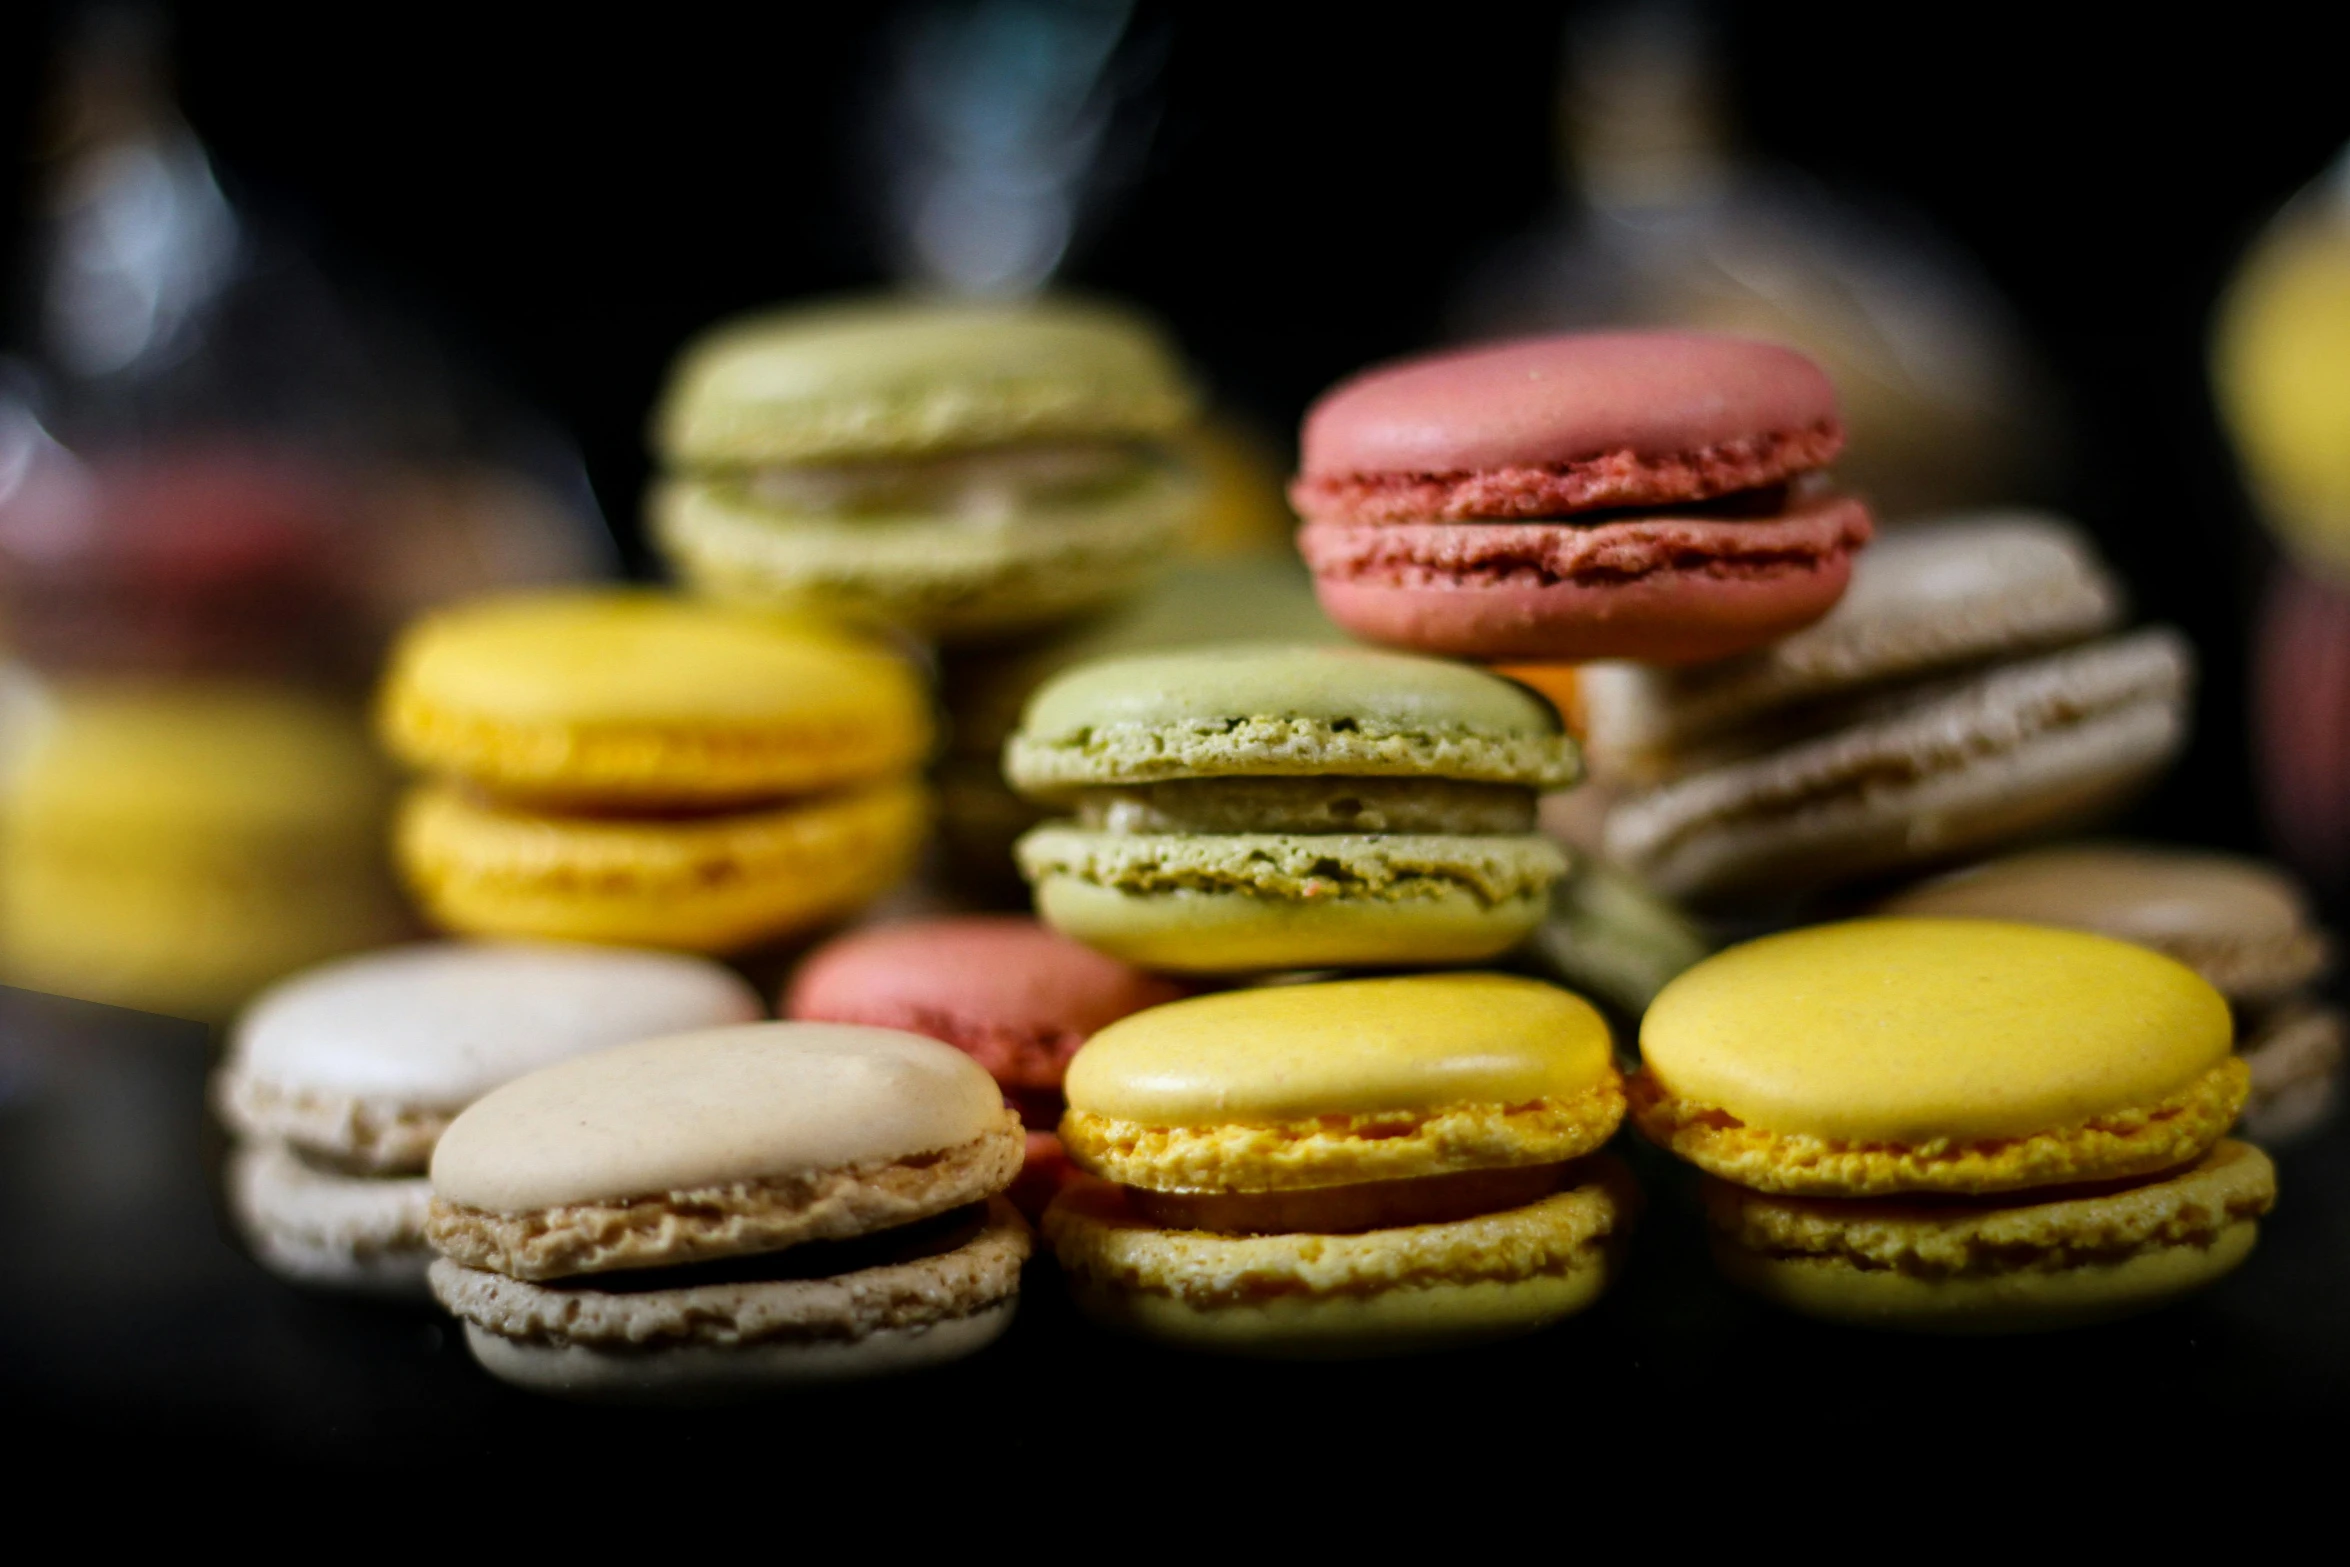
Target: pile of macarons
x: 1279, y: 1061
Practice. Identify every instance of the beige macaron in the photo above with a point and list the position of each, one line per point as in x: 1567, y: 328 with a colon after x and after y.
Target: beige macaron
x: 713, y: 1214
x: 339, y: 1080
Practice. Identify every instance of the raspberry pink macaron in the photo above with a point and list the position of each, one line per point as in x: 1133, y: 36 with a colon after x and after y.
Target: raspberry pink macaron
x: 1641, y: 495
x: 1015, y: 997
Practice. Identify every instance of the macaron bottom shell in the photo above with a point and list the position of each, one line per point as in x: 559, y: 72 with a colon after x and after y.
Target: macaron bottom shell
x: 714, y: 1374
x: 318, y: 1227
x: 1211, y: 932
x: 715, y: 884
x: 1669, y: 616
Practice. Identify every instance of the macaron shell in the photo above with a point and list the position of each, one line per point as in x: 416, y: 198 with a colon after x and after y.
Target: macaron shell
x: 712, y: 1108
x: 639, y: 698
x: 864, y: 378
x: 1672, y: 614
x: 1243, y: 932
x: 1345, y: 1047
x: 1551, y: 401
x: 715, y: 884
x: 327, y: 1229
x: 1909, y: 1031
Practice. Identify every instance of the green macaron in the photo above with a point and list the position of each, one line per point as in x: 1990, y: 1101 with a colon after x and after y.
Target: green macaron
x: 1258, y: 807
x: 956, y: 469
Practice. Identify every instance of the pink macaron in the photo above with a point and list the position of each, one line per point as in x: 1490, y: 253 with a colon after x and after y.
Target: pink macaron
x: 1015, y: 997
x: 1643, y: 495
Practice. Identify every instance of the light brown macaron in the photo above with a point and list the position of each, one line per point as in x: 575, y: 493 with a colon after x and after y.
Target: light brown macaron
x: 714, y: 1214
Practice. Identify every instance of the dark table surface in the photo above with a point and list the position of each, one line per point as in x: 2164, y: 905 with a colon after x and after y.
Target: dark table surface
x: 127, y: 1312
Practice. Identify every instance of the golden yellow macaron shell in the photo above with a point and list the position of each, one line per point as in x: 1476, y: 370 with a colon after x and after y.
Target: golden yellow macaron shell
x: 1428, y: 1286
x: 1892, y: 1055
x: 1987, y: 1268
x: 1304, y: 1086
x: 638, y: 698
x: 714, y: 884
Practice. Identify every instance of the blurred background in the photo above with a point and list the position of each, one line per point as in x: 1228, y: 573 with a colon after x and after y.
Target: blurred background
x: 374, y: 305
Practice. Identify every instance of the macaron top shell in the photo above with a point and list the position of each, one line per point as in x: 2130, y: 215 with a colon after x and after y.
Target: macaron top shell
x: 712, y: 1108
x: 435, y: 1025
x: 1554, y: 401
x: 1274, y: 709
x: 1352, y: 1047
x: 878, y: 377
x: 1905, y: 1031
x: 2241, y: 924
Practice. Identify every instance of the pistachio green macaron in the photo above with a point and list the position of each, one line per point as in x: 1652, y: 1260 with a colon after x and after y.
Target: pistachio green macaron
x: 956, y: 469
x: 1257, y: 807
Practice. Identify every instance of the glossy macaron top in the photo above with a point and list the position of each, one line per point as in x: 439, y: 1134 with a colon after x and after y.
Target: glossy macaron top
x: 435, y: 1025
x: 867, y: 378
x: 712, y: 1108
x: 2243, y: 925
x: 1274, y: 709
x: 1908, y: 1031
x: 1420, y: 1043
x: 552, y: 689
x: 1550, y: 401
x: 1001, y: 986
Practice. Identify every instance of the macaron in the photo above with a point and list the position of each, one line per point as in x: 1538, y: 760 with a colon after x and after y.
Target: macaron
x: 628, y: 767
x: 959, y: 469
x: 175, y: 846
x: 1015, y: 997
x: 2023, y: 748
x: 1928, y: 600
x: 1644, y: 495
x: 1955, y: 1125
x: 1352, y: 1168
x: 2244, y: 926
x: 726, y: 1212
x: 339, y: 1081
x: 1258, y: 806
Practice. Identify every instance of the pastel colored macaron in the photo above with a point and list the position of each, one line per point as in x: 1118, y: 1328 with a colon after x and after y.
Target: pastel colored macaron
x: 629, y: 767
x: 2048, y: 1090
x: 1015, y: 997
x: 1251, y: 807
x: 339, y: 1081
x: 958, y: 469
x: 1637, y: 495
x: 726, y: 1212
x: 1352, y: 1168
x: 2243, y: 925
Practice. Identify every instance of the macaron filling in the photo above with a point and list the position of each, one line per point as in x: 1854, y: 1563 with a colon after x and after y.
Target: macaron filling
x: 994, y: 484
x: 1343, y: 1210
x: 1309, y: 805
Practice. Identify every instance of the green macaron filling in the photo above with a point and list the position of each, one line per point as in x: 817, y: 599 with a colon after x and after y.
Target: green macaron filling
x: 995, y: 483
x: 1309, y: 805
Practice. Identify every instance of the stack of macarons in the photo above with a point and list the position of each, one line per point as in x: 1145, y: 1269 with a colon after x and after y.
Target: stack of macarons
x: 958, y: 470
x: 1643, y: 495
x: 1959, y: 1126
x: 1013, y: 996
x: 1349, y: 1168
x: 2244, y: 926
x: 1969, y: 691
x: 626, y: 766
x: 1254, y: 807
x: 723, y: 1212
x: 339, y: 1082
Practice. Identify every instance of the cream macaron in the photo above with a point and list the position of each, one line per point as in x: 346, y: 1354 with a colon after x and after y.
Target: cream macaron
x: 718, y: 1213
x: 339, y: 1081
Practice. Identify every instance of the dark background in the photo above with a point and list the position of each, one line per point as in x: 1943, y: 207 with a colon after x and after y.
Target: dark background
x: 566, y: 201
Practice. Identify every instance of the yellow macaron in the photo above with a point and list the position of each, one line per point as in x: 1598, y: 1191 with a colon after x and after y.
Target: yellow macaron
x: 625, y: 766
x: 1923, y: 1055
x: 1360, y: 1167
x: 1950, y: 1125
x: 639, y: 699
